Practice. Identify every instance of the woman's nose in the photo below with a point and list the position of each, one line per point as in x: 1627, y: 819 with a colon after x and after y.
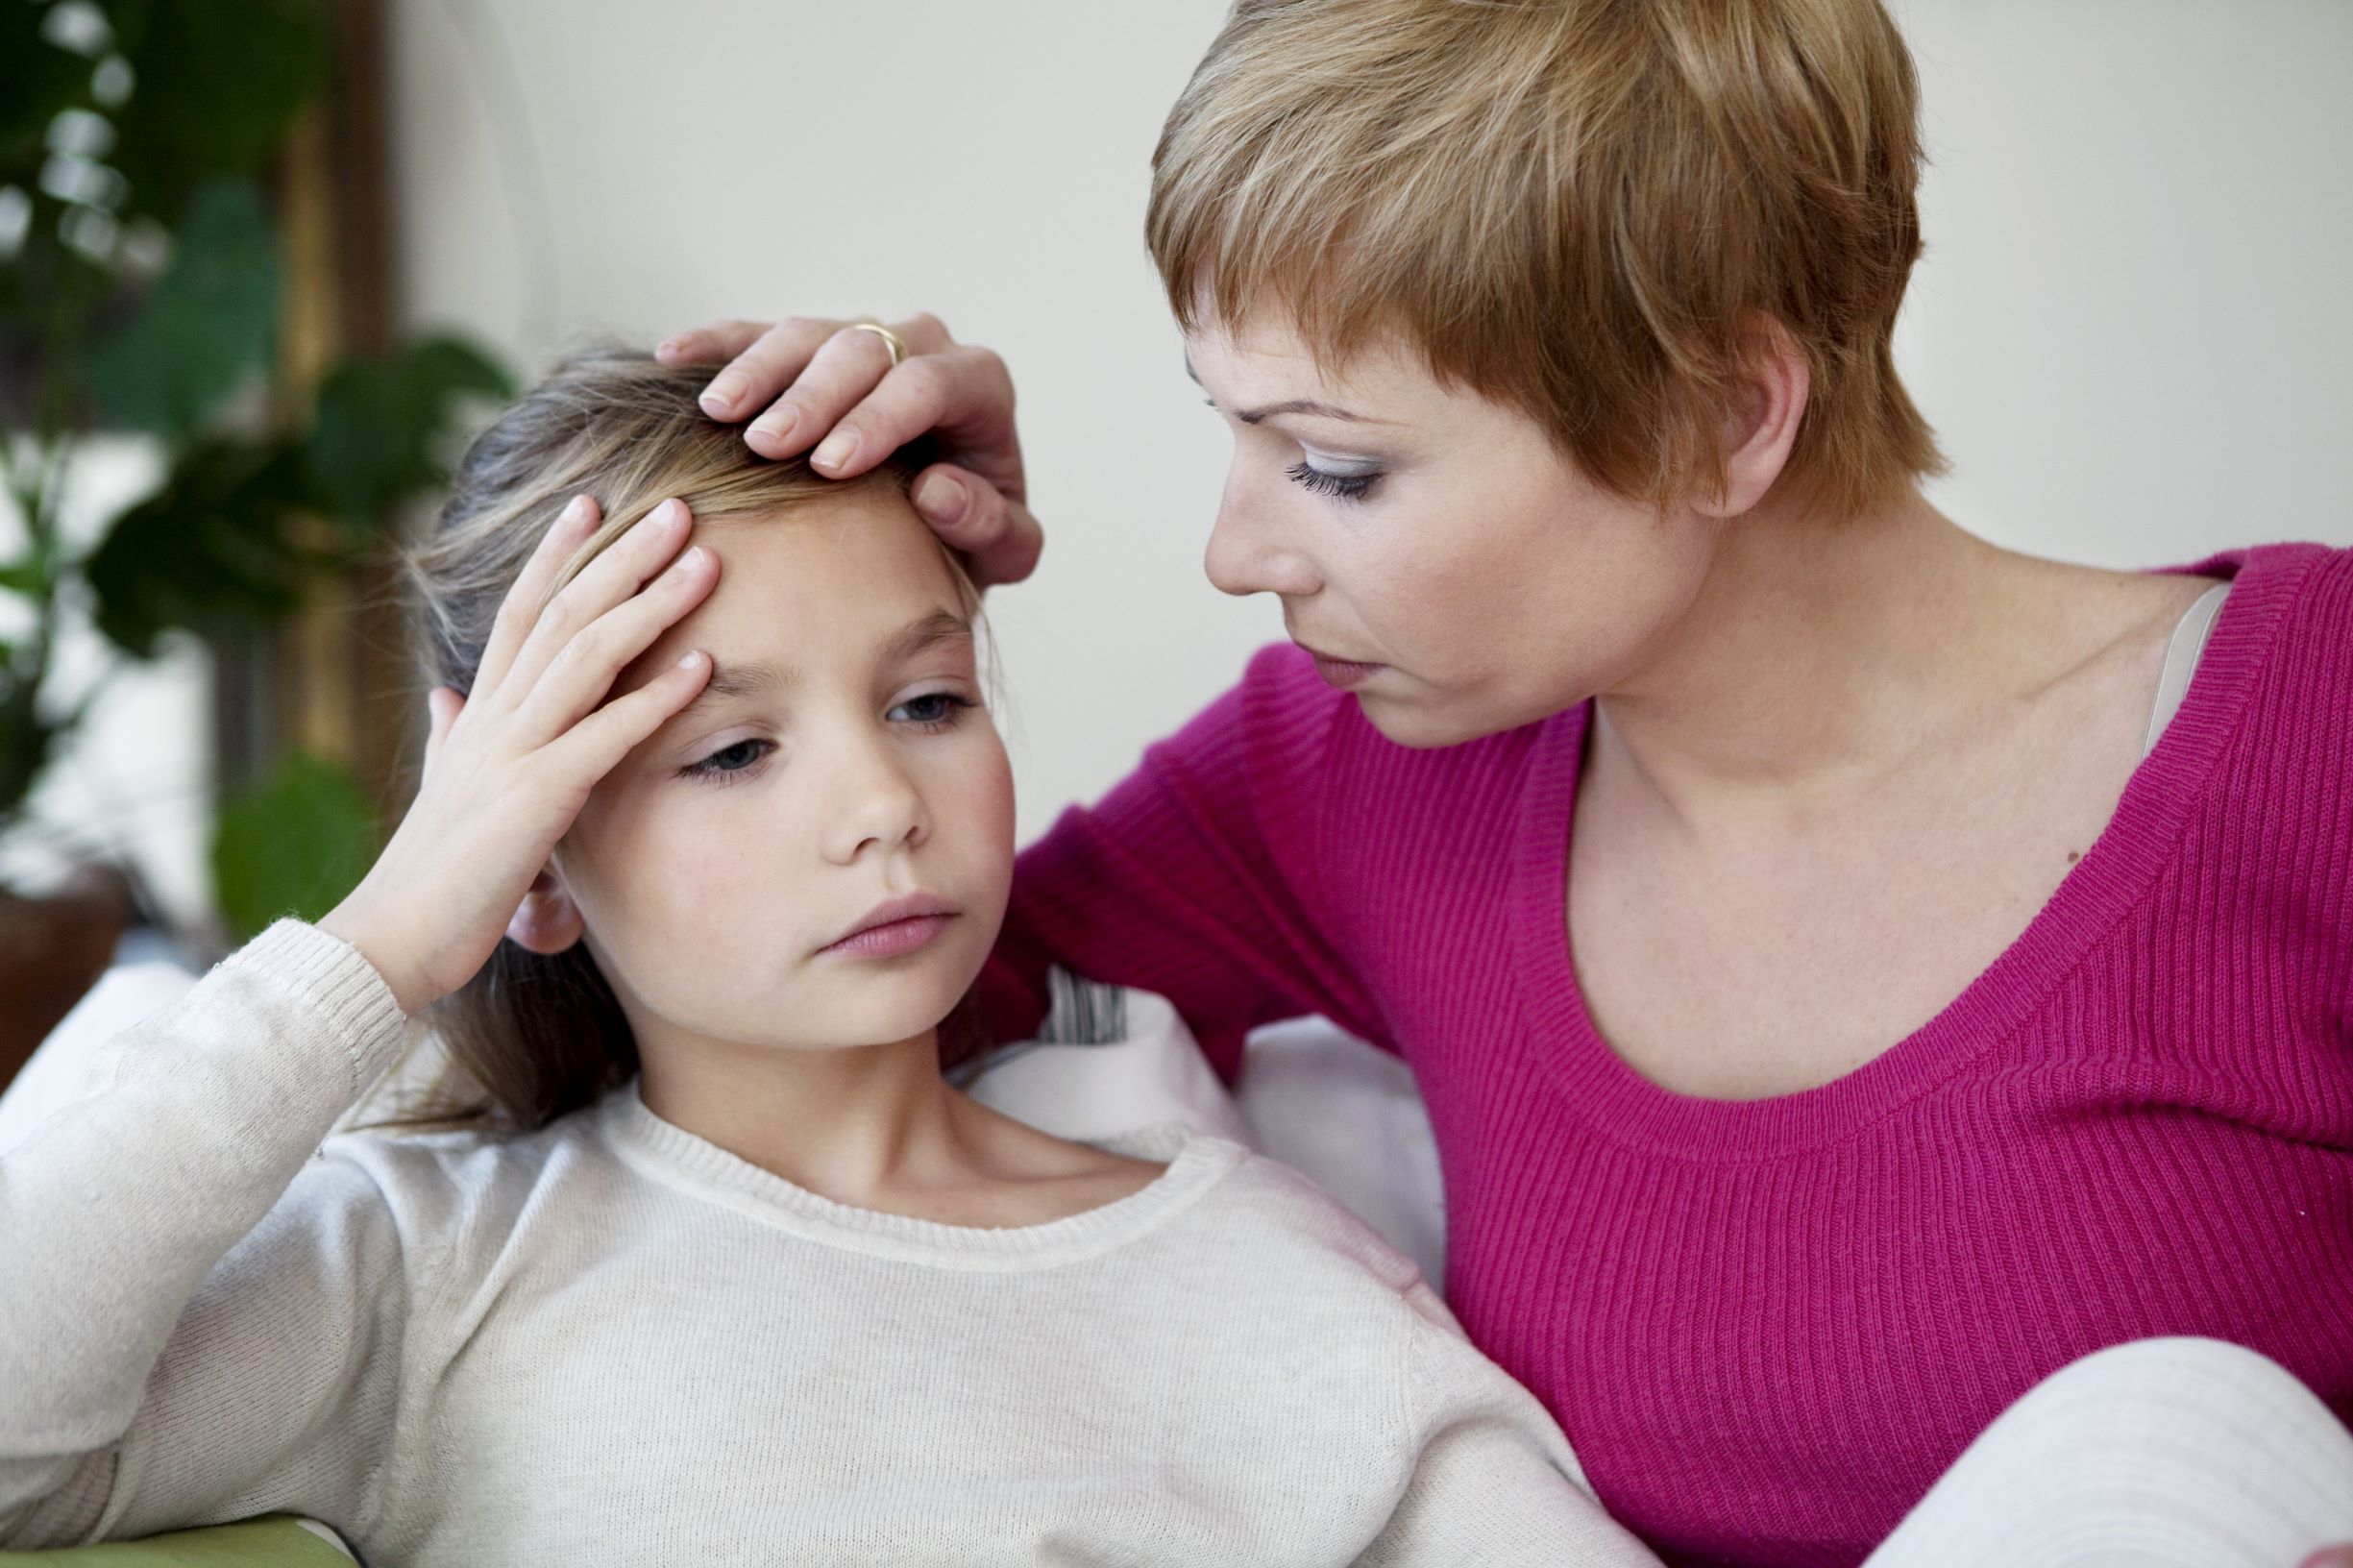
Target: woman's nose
x: 874, y: 806
x: 1247, y: 552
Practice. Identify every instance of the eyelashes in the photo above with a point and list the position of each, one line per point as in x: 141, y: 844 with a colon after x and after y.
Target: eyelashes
x: 714, y: 767
x: 955, y: 710
x: 1343, y: 486
x: 741, y: 759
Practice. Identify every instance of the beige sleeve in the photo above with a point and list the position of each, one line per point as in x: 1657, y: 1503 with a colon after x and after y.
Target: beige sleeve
x: 198, y: 1317
x: 1494, y: 1480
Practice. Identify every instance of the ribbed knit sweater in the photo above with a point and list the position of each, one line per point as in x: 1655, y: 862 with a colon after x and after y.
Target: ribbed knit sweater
x: 1769, y: 1326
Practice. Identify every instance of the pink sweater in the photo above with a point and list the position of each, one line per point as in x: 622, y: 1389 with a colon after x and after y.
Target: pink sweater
x: 1769, y: 1326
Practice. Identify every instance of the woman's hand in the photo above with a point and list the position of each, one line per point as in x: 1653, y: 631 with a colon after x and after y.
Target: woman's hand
x: 814, y: 383
x: 509, y: 767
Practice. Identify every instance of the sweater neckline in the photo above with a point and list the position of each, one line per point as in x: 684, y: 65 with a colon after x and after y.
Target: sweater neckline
x: 2098, y: 891
x: 669, y: 1154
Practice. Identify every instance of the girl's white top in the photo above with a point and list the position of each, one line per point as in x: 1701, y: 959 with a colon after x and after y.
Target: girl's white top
x: 613, y: 1342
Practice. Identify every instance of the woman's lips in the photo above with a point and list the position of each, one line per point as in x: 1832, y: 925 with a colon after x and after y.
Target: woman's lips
x: 1341, y: 673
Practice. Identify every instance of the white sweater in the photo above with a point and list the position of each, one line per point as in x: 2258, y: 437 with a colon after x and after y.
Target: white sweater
x: 613, y: 1342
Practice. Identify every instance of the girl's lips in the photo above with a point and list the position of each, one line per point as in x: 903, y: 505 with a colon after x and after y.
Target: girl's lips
x: 895, y: 925
x: 892, y: 938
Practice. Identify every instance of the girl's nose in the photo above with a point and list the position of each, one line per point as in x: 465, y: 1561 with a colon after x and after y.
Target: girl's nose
x: 874, y: 806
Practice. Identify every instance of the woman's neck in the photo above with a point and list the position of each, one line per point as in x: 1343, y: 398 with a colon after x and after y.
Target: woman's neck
x: 857, y: 1124
x: 1817, y: 656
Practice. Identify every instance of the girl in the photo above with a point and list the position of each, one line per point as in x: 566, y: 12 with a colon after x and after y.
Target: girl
x: 716, y: 1265
x: 1855, y: 970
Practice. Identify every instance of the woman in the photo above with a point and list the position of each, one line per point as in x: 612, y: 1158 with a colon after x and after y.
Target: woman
x: 1846, y: 990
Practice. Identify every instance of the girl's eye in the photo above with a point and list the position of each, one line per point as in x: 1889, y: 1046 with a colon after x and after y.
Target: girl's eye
x: 1346, y: 486
x: 728, y: 762
x: 935, y: 710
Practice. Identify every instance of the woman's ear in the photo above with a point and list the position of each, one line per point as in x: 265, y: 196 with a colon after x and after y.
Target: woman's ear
x: 1762, y: 427
x: 547, y: 921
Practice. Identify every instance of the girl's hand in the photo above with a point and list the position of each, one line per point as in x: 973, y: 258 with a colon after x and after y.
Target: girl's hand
x: 816, y: 383
x: 507, y: 768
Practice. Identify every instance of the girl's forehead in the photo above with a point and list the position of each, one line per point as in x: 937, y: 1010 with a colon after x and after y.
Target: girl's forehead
x: 823, y: 578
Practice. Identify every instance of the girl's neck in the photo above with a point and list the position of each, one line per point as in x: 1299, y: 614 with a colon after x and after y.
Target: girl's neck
x: 855, y: 1124
x: 1818, y: 655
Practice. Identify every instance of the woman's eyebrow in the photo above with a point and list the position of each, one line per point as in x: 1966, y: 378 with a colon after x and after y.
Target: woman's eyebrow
x: 756, y: 675
x: 1292, y: 406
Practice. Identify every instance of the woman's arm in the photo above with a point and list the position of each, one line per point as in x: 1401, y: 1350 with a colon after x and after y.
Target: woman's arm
x: 1195, y: 877
x: 182, y: 1339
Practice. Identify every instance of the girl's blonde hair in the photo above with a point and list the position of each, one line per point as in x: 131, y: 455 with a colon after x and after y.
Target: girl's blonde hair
x: 1580, y: 207
x: 531, y: 1037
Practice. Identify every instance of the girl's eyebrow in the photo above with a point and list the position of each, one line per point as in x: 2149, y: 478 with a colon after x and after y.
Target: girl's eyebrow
x: 918, y: 637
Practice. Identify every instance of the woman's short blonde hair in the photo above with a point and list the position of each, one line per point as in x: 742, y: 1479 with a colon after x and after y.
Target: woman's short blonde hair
x: 1580, y: 207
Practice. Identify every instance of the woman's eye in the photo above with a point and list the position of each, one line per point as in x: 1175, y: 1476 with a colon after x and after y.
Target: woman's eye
x: 934, y: 710
x: 730, y: 759
x: 1353, y: 486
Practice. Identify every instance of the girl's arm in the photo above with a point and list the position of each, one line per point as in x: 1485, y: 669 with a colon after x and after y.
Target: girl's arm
x: 1493, y: 1479
x: 198, y: 1320
x: 118, y: 1213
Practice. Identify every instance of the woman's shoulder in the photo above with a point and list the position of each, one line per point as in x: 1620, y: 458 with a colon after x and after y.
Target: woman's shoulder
x: 2262, y: 746
x: 2287, y: 630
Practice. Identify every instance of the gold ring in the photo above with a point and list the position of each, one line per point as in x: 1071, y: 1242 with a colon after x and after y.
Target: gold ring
x: 898, y: 344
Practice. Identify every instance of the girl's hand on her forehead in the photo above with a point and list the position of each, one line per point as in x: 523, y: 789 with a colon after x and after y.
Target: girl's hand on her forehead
x: 510, y: 764
x: 816, y: 385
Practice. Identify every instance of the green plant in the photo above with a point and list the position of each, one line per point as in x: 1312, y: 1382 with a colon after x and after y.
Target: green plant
x: 141, y: 290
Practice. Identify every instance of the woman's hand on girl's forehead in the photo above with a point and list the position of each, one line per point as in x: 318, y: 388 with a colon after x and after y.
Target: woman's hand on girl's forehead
x: 509, y: 767
x: 816, y: 386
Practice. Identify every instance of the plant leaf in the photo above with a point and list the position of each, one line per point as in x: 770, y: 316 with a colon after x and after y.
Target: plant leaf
x: 36, y: 80
x: 381, y: 422
x: 211, y: 546
x: 295, y: 843
x: 209, y: 323
x: 217, y: 83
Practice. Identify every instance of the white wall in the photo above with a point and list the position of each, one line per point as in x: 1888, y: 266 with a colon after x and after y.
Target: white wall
x: 2133, y: 325
x: 2130, y: 329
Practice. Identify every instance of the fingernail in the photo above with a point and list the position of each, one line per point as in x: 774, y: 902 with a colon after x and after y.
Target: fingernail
x: 777, y: 425
x: 837, y: 449
x: 667, y: 345
x: 722, y: 392
x: 692, y: 657
x: 669, y: 514
x: 687, y: 562
x: 941, y: 499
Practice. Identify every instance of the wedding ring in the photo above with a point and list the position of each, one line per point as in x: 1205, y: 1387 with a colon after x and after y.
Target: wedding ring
x: 897, y: 344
